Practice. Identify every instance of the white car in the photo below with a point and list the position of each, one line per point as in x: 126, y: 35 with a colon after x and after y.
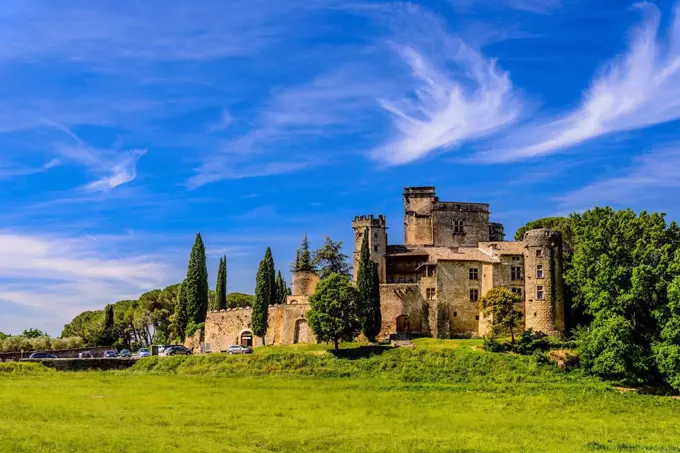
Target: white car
x: 144, y: 352
x: 238, y: 349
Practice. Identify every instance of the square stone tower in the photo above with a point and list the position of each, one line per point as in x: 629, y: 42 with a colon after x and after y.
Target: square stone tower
x: 376, y: 229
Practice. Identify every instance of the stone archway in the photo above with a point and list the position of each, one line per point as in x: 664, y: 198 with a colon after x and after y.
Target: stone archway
x: 302, y: 331
x: 246, y: 338
x: 403, y: 324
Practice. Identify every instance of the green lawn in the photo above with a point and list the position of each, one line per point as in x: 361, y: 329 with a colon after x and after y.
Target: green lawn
x: 548, y: 411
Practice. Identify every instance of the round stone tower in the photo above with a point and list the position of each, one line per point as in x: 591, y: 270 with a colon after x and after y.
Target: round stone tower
x: 544, y: 296
x: 304, y: 283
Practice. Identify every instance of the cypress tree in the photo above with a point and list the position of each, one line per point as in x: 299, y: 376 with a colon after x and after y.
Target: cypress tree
x: 180, y: 320
x: 305, y: 261
x: 271, y: 270
x: 221, y: 290
x: 281, y: 289
x: 107, y: 334
x: 263, y: 297
x: 368, y: 292
x: 196, y: 283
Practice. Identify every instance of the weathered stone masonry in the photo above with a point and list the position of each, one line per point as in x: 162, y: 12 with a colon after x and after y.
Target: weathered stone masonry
x: 452, y: 255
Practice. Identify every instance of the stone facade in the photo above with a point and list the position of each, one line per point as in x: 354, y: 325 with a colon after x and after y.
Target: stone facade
x: 452, y: 255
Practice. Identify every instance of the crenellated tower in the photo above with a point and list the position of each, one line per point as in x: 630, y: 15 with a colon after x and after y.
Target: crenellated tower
x: 376, y: 229
x: 544, y: 291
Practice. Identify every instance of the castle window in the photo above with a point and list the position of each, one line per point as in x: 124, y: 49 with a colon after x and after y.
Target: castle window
x: 429, y: 293
x: 517, y: 291
x: 474, y: 295
x: 455, y: 313
x: 375, y: 248
x: 477, y: 318
x: 458, y: 226
x: 539, y: 292
x: 539, y: 271
x: 375, y: 235
x: 516, y: 273
x: 539, y: 253
x: 516, y: 258
x: 474, y: 273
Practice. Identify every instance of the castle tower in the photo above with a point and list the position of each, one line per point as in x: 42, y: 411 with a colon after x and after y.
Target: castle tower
x: 377, y: 241
x: 418, y: 203
x: 544, y: 296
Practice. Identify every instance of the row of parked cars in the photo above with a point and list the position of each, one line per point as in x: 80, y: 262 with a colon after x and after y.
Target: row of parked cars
x: 167, y: 350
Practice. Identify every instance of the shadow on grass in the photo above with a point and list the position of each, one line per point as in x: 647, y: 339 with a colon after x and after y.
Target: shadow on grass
x: 361, y: 352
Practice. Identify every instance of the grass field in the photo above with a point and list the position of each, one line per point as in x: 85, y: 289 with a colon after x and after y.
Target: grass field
x: 301, y: 401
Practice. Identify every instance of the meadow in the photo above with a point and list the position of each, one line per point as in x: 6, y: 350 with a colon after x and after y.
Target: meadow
x: 441, y: 397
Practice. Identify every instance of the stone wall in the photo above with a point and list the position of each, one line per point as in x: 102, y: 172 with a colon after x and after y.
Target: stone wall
x: 453, y: 292
x: 62, y: 354
x: 287, y: 325
x: 304, y: 283
x: 406, y: 301
x: 475, y: 223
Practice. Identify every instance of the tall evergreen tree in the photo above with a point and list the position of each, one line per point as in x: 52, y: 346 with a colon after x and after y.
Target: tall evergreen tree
x: 108, y: 334
x: 281, y: 289
x: 263, y: 296
x: 271, y: 270
x: 368, y: 292
x: 196, y: 283
x: 179, y: 317
x: 329, y: 259
x: 221, y: 290
x: 304, y: 257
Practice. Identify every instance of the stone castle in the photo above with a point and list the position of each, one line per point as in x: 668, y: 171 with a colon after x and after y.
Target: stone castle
x: 430, y: 286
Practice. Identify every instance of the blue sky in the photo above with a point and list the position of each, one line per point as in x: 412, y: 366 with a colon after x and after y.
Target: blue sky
x: 126, y: 127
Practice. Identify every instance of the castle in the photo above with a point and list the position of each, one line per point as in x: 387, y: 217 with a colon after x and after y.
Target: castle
x: 430, y: 286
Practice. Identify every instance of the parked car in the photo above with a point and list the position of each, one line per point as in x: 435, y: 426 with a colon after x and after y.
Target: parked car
x: 177, y: 350
x: 110, y: 354
x: 85, y: 355
x: 125, y: 353
x: 42, y: 355
x: 143, y: 353
x: 238, y: 349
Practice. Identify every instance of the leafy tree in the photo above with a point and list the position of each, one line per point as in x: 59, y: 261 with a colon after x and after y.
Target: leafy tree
x: 32, y: 333
x: 263, y: 296
x: 240, y: 300
x: 3, y: 336
x: 334, y: 315
x: 368, y: 293
x: 303, y: 258
x: 221, y: 290
x: 195, y: 285
x: 271, y: 272
x: 281, y: 289
x: 501, y: 303
x: 667, y: 350
x: 329, y: 259
x: 620, y: 274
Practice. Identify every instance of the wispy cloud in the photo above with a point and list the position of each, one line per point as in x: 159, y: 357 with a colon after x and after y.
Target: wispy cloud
x: 70, y: 274
x: 455, y: 94
x: 7, y: 171
x: 635, y: 91
x: 533, y: 6
x: 649, y: 176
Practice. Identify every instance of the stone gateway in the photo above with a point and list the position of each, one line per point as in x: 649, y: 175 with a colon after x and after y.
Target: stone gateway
x: 430, y: 286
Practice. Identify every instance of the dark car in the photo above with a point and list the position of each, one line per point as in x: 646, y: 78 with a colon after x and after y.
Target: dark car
x: 42, y: 355
x: 110, y: 354
x: 85, y: 355
x: 177, y: 350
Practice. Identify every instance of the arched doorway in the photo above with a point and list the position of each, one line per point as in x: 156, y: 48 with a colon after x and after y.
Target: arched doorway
x: 302, y: 331
x: 403, y: 324
x: 246, y: 338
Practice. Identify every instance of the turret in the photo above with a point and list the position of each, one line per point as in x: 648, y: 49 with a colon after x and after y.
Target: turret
x: 544, y: 306
x: 376, y: 229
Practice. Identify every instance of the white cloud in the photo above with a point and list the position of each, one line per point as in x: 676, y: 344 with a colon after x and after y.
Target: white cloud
x: 62, y: 276
x: 7, y: 171
x: 635, y: 91
x: 532, y: 6
x: 650, y: 175
x: 455, y: 94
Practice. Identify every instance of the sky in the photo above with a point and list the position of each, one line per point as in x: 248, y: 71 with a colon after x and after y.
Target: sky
x: 127, y: 127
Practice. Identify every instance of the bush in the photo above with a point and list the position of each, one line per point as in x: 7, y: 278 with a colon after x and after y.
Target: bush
x: 192, y: 328
x: 492, y: 344
x: 530, y: 342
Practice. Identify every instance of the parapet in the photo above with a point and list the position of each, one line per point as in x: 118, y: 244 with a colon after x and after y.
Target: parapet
x: 542, y: 237
x: 419, y: 191
x: 368, y: 220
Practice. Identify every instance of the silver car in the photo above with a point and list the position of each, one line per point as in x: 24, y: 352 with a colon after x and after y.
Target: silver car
x: 238, y: 349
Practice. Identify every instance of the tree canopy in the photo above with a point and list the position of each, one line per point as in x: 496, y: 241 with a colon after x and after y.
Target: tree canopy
x: 334, y: 315
x: 221, y: 286
x: 264, y: 295
x: 195, y: 285
x: 368, y: 293
x: 303, y: 258
x: 329, y: 259
x: 501, y: 304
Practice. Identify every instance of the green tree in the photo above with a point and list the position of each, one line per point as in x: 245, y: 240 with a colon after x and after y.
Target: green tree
x: 271, y: 272
x: 32, y: 333
x: 240, y: 300
x: 334, y: 315
x: 195, y: 285
x: 667, y: 350
x: 221, y: 290
x: 303, y: 258
x: 3, y: 336
x: 329, y: 259
x: 180, y: 318
x: 108, y: 335
x: 501, y: 303
x: 263, y: 296
x: 368, y: 292
x: 620, y: 274
x: 281, y: 289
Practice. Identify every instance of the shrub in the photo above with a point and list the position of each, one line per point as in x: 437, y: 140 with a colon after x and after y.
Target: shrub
x: 492, y: 344
x: 530, y: 342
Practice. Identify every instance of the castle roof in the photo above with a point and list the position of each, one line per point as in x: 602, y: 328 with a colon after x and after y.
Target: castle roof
x: 435, y: 254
